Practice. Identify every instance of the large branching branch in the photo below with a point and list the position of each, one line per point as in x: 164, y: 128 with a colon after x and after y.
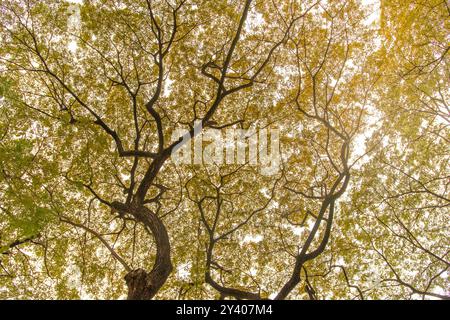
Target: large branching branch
x: 163, y: 50
x: 341, y: 182
x: 164, y: 153
x: 214, y: 236
x: 35, y: 48
x: 328, y: 204
x: 221, y: 93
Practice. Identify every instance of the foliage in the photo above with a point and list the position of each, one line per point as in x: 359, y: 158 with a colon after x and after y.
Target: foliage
x: 92, y: 205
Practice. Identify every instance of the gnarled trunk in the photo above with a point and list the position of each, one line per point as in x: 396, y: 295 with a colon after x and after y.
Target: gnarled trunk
x: 143, y: 285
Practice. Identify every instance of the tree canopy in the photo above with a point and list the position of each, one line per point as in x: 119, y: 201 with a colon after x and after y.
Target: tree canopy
x: 94, y: 93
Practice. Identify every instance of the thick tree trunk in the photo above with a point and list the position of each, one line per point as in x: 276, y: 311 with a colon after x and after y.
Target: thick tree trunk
x: 140, y: 285
x: 144, y: 285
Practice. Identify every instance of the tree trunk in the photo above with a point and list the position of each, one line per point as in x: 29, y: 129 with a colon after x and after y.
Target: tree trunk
x: 144, y: 285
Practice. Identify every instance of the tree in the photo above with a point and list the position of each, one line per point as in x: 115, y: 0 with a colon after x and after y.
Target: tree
x: 95, y: 205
